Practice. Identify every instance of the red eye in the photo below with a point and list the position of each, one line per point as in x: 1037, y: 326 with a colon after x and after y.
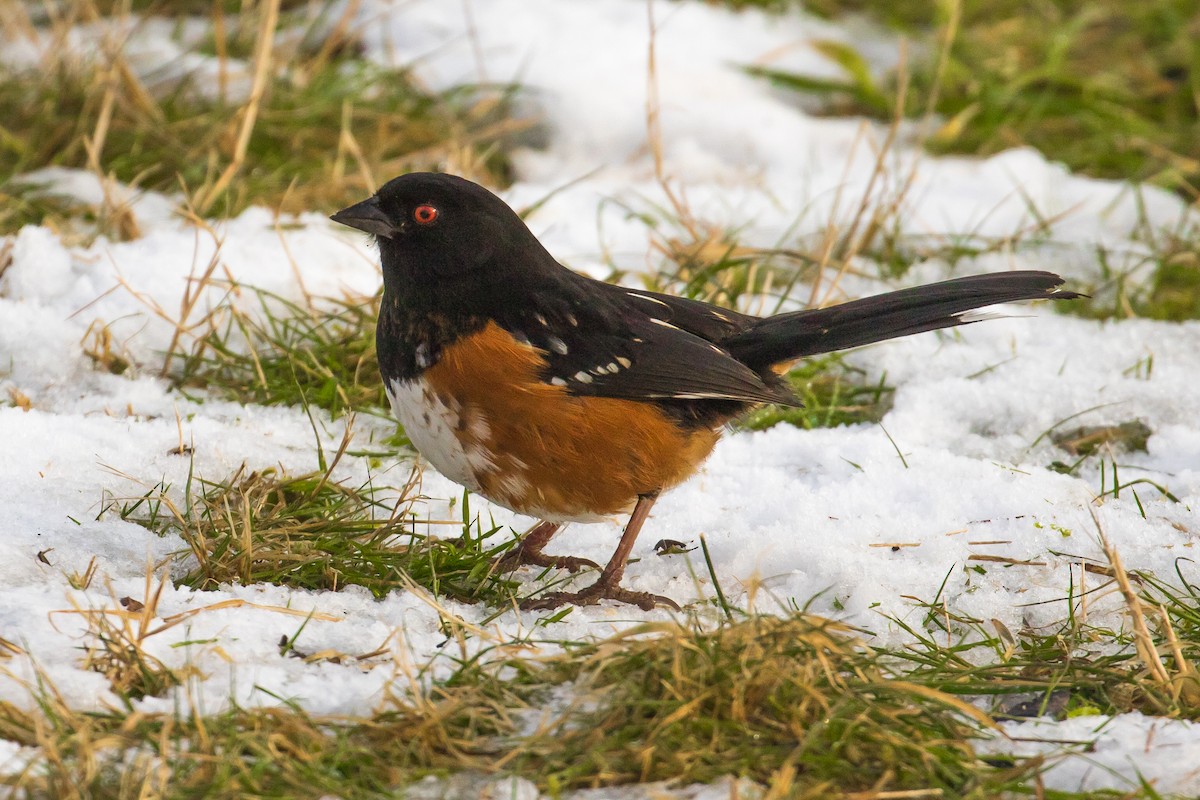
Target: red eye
x: 425, y: 215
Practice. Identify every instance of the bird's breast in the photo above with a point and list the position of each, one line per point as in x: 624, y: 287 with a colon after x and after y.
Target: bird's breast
x: 484, y: 417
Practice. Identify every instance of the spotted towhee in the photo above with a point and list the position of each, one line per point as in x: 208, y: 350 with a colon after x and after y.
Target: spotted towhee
x: 569, y: 399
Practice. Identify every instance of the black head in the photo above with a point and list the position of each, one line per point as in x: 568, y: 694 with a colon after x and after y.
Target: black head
x: 432, y: 226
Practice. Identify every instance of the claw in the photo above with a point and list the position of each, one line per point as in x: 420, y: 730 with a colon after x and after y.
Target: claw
x: 520, y: 557
x: 529, y: 551
x: 593, y: 594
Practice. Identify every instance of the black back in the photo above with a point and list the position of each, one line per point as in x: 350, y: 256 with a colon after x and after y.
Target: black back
x: 456, y: 257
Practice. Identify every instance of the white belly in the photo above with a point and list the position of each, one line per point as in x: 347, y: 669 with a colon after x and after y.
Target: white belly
x: 431, y: 422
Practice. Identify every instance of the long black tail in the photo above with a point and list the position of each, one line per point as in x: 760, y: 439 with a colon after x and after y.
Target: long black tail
x: 790, y: 336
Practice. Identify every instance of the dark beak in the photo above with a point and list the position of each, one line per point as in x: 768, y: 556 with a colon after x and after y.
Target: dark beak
x: 367, y: 216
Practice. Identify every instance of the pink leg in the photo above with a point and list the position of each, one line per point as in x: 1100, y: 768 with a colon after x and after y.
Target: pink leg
x: 608, y: 586
x: 529, y: 551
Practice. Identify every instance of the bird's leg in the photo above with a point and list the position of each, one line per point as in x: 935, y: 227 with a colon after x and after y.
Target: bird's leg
x: 608, y: 586
x: 529, y: 551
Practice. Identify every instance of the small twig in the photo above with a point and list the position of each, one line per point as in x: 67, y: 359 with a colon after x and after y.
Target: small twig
x: 1005, y: 560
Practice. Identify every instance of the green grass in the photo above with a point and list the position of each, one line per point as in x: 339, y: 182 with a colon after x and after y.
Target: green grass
x: 796, y: 704
x: 834, y: 393
x: 1105, y: 86
x: 328, y: 129
x: 279, y: 352
x: 1071, y: 669
x: 792, y: 703
x: 311, y: 532
x: 1163, y: 282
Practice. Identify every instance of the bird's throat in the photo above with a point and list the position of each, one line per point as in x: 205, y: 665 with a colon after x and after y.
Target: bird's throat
x: 411, y: 340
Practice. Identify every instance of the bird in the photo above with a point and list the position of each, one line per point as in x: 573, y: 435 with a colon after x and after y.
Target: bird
x: 570, y: 399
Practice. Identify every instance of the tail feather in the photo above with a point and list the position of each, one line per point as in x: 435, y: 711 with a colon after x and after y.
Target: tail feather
x: 786, y: 337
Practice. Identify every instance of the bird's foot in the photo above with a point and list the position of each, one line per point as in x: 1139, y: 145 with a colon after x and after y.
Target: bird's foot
x: 521, y: 556
x: 593, y: 594
x: 529, y: 551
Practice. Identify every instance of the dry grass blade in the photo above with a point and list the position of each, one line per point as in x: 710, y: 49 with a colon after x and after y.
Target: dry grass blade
x: 1184, y: 686
x: 707, y: 262
x: 117, y: 639
x: 264, y: 42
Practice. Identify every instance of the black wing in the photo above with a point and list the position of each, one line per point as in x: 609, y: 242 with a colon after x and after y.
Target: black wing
x: 694, y: 316
x: 608, y: 341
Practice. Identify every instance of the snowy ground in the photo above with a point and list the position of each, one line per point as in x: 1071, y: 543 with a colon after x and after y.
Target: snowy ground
x: 795, y: 510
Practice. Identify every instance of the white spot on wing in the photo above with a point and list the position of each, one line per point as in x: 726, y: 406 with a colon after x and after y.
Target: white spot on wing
x: 422, y: 356
x: 648, y: 298
x: 705, y: 396
x: 976, y: 315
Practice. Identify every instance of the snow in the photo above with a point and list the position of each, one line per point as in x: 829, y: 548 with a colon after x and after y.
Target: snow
x: 788, y: 514
x: 1164, y: 754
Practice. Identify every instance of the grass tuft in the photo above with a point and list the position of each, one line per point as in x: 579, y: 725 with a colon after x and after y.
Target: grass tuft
x: 1107, y: 87
x: 796, y: 703
x: 283, y: 353
x: 117, y: 638
x: 1073, y: 668
x: 703, y: 261
x: 310, y: 532
x: 116, y: 649
x: 1161, y: 281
